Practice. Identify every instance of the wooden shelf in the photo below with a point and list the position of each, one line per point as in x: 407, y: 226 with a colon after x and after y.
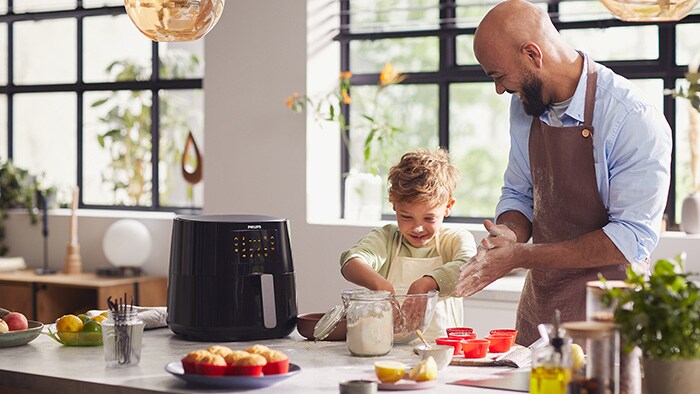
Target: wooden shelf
x: 47, y: 297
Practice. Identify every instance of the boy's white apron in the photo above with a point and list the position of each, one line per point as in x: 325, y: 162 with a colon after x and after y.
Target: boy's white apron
x: 406, y: 270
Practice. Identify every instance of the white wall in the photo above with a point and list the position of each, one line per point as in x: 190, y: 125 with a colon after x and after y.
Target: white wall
x: 256, y: 158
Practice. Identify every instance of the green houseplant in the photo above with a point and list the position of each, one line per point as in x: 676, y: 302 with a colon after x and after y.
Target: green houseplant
x: 661, y: 315
x: 126, y: 129
x: 376, y: 133
x: 18, y: 190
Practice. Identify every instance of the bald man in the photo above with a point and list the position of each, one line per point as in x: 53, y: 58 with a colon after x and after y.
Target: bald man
x: 588, y: 171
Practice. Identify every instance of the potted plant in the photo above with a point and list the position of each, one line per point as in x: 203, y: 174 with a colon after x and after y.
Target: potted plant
x: 17, y: 190
x: 363, y: 185
x: 661, y: 316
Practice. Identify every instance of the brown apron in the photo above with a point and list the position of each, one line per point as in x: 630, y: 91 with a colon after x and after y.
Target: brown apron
x: 567, y: 204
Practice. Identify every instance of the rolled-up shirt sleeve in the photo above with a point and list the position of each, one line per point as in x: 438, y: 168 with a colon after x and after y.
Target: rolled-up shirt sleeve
x: 457, y: 247
x: 638, y: 175
x: 372, y: 249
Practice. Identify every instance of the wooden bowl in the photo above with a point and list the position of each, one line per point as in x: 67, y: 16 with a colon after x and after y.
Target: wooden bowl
x: 307, y: 322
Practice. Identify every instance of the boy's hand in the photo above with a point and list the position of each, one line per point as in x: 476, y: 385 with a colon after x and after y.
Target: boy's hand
x: 413, y: 310
x: 423, y: 285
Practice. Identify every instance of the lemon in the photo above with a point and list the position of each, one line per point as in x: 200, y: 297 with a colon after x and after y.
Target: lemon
x: 425, y: 370
x: 99, y: 318
x: 69, y: 323
x: 577, y: 357
x: 389, y: 371
x: 105, y: 314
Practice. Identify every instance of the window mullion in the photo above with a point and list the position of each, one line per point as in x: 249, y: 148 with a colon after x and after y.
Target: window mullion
x: 667, y: 61
x: 155, y: 128
x: 447, y: 63
x: 79, y: 106
x: 10, y: 84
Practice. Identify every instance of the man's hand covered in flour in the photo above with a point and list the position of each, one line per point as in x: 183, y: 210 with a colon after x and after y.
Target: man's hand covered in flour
x: 493, y: 260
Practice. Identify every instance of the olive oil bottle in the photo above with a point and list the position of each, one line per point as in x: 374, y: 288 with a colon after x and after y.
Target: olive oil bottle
x: 551, y: 364
x: 544, y: 380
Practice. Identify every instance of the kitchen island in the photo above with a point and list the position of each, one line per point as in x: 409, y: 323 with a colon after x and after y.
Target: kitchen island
x: 45, y: 366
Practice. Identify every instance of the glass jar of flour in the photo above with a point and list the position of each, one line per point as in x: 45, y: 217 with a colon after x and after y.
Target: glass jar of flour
x: 370, y: 323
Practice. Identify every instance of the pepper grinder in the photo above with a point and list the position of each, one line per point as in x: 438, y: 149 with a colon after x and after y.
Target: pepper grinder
x: 72, y: 264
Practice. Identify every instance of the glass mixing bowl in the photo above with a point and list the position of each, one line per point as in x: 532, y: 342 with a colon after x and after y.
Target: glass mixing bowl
x: 412, y: 312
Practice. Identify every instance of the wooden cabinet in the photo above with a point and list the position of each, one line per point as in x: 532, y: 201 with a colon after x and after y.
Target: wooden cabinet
x: 48, y: 297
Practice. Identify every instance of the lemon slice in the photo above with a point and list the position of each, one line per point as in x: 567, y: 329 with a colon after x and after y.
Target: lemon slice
x: 425, y: 370
x: 577, y: 356
x: 389, y: 371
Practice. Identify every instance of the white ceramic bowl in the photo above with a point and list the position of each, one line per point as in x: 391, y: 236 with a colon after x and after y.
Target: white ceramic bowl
x: 441, y: 353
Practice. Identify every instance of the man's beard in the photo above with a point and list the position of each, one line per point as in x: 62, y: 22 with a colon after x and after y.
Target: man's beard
x: 532, y: 95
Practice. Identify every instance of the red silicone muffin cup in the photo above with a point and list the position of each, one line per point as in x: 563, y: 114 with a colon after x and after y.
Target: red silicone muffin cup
x: 212, y: 370
x: 451, y: 329
x: 500, y: 343
x: 244, y: 370
x: 475, y: 348
x: 462, y: 335
x: 190, y: 367
x: 454, y: 342
x: 276, y: 367
x: 504, y: 331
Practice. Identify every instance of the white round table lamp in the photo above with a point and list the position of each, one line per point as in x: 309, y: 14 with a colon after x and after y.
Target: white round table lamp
x: 127, y: 243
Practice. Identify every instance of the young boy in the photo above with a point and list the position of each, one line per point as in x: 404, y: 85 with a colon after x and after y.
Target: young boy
x: 416, y: 253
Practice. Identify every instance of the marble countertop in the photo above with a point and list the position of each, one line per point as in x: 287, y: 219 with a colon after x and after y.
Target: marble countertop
x: 46, y: 366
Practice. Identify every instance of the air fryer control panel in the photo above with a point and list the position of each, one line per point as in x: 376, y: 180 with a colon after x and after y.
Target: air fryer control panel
x: 255, y: 246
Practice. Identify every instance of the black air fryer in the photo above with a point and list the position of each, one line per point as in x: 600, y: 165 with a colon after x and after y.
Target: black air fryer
x: 231, y: 278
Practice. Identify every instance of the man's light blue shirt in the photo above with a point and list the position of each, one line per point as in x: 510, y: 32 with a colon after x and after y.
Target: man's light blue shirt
x: 632, y: 154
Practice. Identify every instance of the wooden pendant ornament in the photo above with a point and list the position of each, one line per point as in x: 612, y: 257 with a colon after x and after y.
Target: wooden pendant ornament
x: 192, y: 173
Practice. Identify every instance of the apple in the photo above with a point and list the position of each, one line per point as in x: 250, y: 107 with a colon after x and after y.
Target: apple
x: 3, y: 326
x: 16, y: 321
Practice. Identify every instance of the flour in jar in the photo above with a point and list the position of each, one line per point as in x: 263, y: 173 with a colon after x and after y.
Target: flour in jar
x: 370, y: 326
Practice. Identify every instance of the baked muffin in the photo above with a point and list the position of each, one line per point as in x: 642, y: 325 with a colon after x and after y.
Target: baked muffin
x: 251, y: 365
x: 235, y: 355
x: 277, y: 363
x: 220, y: 350
x: 212, y: 365
x: 258, y: 349
x: 231, y: 359
x: 190, y: 363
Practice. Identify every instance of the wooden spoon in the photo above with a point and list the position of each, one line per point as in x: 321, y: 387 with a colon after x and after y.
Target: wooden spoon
x: 420, y: 335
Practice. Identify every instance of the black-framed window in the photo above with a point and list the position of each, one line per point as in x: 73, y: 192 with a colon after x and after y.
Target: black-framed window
x: 446, y: 98
x: 87, y: 100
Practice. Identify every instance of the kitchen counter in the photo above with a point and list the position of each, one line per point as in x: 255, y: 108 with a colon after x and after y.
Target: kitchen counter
x: 45, y: 366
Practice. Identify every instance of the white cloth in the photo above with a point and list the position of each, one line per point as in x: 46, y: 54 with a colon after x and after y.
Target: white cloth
x: 153, y: 316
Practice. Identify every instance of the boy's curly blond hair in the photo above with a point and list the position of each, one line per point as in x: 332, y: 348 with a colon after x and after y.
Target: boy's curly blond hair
x: 423, y: 176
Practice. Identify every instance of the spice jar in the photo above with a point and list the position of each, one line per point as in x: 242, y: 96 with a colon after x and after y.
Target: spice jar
x: 122, y: 333
x: 601, y: 343
x: 370, y: 323
x: 630, y: 362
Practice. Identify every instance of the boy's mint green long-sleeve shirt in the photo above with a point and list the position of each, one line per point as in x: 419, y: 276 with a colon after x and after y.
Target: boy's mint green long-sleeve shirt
x: 378, y: 249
